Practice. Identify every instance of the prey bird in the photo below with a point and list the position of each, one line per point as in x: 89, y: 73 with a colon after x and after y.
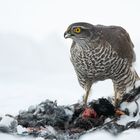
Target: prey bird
x: 102, y: 52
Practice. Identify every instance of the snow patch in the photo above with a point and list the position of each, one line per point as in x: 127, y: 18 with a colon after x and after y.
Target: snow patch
x: 124, y: 119
x: 6, y: 121
x: 39, y: 138
x: 137, y: 84
x: 21, y: 130
x: 69, y: 111
x: 50, y: 130
x: 132, y: 107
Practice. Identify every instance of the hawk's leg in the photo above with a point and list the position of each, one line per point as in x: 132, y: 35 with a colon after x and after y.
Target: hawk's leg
x: 118, y: 95
x: 118, y: 98
x: 86, y: 96
x: 121, y: 88
x: 87, y: 89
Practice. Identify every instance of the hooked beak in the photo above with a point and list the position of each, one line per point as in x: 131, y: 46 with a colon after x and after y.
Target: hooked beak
x: 67, y: 35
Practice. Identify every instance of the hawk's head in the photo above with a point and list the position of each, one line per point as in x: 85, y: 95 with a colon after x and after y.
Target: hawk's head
x: 79, y: 30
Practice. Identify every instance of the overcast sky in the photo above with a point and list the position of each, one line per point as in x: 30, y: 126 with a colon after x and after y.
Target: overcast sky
x: 32, y: 44
x: 31, y: 31
x: 37, y: 18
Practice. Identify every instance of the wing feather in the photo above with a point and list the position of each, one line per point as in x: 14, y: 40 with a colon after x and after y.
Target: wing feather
x: 120, y: 41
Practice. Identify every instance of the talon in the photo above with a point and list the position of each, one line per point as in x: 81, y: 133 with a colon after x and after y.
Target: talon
x: 119, y: 112
x: 117, y: 103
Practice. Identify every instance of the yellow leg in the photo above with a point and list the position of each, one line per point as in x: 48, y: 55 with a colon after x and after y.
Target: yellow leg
x: 86, y: 96
x: 87, y: 88
x: 118, y: 96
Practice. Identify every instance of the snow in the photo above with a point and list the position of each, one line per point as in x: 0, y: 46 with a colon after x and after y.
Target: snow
x: 125, y: 119
x: 130, y: 106
x: 6, y: 121
x: 137, y: 84
x: 21, y: 129
x: 127, y: 135
x: 12, y: 137
x: 34, y: 56
x: 39, y: 138
x: 51, y: 130
x: 68, y: 111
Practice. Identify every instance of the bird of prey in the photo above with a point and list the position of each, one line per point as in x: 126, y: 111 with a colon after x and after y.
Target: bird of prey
x: 101, y: 52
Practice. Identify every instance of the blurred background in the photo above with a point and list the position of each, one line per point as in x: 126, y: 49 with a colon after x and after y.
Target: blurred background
x: 34, y: 56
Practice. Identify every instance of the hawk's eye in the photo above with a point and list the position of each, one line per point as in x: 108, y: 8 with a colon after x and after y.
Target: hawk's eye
x: 77, y: 30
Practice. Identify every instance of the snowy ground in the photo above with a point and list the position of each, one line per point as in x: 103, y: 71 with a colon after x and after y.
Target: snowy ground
x: 34, y: 57
x: 18, y: 96
x: 127, y: 135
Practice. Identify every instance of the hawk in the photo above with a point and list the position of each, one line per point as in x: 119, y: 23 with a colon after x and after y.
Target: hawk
x: 102, y: 52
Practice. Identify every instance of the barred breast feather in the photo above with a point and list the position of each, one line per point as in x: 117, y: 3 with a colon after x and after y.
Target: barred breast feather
x: 98, y: 61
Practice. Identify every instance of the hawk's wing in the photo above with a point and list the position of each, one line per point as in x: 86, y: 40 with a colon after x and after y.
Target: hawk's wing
x: 120, y: 41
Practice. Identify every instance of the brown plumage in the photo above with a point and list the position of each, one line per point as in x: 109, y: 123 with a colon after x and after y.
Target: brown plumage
x: 102, y: 52
x: 120, y: 41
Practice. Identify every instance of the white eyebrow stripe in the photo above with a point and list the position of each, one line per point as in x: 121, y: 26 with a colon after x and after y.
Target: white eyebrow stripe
x: 80, y: 26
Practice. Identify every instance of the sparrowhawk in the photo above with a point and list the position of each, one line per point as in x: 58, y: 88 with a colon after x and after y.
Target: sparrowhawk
x: 102, y: 52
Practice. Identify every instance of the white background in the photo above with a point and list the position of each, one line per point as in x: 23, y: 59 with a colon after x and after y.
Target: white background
x: 34, y: 56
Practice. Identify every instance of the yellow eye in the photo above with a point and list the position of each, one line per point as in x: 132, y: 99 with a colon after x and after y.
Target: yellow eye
x: 77, y: 30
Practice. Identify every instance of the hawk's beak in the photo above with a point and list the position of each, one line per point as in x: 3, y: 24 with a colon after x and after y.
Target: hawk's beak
x: 67, y: 35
